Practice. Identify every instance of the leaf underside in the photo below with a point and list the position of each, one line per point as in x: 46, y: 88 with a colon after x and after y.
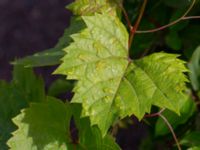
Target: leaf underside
x: 110, y: 85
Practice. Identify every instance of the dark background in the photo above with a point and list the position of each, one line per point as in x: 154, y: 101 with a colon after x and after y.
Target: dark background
x: 28, y: 26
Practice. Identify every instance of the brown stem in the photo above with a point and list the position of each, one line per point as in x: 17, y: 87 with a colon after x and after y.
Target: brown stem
x: 155, y: 114
x: 191, y: 17
x: 183, y: 17
x: 126, y: 16
x: 171, y: 129
x: 134, y: 28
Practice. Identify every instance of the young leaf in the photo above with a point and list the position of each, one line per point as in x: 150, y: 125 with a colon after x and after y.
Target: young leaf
x: 109, y: 84
x: 42, y: 126
x: 89, y: 7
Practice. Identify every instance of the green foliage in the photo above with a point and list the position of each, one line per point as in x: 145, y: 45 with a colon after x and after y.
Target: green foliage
x: 114, y: 80
x: 52, y: 56
x: 109, y: 83
x: 42, y: 126
x: 59, y: 86
x: 88, y: 133
x: 186, y: 111
x: 14, y: 96
x: 192, y: 140
x: 46, y: 126
x: 194, y: 67
x: 173, y: 40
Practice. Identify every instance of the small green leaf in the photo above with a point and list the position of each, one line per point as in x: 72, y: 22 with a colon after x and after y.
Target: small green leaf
x: 43, y: 126
x: 173, y: 41
x: 194, y: 66
x: 191, y: 139
x: 188, y: 108
x: 60, y: 86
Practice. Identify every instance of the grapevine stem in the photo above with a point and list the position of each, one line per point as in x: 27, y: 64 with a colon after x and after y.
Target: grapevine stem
x: 155, y: 114
x: 171, y: 129
x: 134, y: 28
x: 183, y: 17
x: 167, y: 123
x: 126, y: 16
x: 191, y: 17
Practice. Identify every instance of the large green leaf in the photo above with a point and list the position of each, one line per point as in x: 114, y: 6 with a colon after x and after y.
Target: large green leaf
x: 89, y: 7
x: 14, y: 96
x: 109, y: 84
x: 43, y: 126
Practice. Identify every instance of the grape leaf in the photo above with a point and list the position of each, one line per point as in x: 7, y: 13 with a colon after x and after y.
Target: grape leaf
x: 52, y: 56
x: 109, y: 84
x: 88, y: 134
x: 14, y: 96
x: 191, y: 139
x: 187, y: 109
x: 43, y: 126
x: 47, y: 57
x: 89, y: 7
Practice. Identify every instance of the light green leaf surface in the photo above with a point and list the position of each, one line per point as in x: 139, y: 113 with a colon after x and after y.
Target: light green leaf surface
x: 89, y: 7
x: 14, y: 96
x: 110, y: 85
x: 43, y: 126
